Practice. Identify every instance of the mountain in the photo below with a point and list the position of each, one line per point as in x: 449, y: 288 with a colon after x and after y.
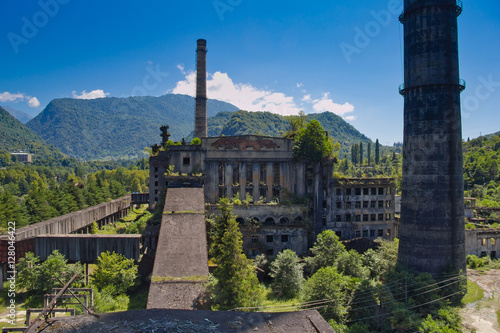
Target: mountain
x: 112, y: 128
x: 23, y: 117
x: 15, y: 137
x: 266, y: 123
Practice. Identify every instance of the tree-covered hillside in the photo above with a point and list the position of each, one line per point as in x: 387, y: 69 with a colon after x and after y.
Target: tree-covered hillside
x: 111, y: 128
x: 266, y: 123
x: 16, y: 137
x: 482, y: 169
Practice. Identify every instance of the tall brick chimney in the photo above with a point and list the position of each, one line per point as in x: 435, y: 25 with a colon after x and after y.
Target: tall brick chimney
x: 200, y: 122
x: 432, y: 230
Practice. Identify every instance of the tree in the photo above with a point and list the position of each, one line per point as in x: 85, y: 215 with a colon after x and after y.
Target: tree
x: 360, y: 153
x: 351, y: 263
x: 377, y: 152
x: 369, y: 153
x: 236, y: 282
x: 328, y: 284
x: 288, y: 274
x: 355, y: 154
x: 312, y: 143
x: 40, y: 278
x: 115, y: 273
x: 325, y: 251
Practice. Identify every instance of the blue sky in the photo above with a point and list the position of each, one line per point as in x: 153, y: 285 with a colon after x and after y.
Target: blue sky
x: 279, y: 56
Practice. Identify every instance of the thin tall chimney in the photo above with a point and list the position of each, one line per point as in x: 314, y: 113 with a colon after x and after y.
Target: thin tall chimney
x: 200, y: 124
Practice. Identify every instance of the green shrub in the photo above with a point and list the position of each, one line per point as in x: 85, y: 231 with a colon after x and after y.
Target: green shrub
x: 287, y: 274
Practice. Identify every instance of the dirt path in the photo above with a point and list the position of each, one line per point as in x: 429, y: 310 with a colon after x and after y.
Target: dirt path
x: 482, y: 315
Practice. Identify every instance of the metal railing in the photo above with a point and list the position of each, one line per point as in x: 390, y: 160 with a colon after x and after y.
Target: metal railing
x: 461, y: 87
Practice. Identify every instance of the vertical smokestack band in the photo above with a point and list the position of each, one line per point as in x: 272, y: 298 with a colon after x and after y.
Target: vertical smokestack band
x: 200, y: 124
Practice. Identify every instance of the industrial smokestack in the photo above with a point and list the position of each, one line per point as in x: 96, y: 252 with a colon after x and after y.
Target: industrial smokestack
x: 200, y: 124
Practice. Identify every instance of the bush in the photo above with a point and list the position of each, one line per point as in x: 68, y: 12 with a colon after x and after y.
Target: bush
x: 105, y: 301
x: 115, y: 273
x: 328, y: 284
x: 288, y: 275
x: 474, y: 262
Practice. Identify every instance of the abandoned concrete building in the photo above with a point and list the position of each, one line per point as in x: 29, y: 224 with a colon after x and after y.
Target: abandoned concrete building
x: 262, y: 168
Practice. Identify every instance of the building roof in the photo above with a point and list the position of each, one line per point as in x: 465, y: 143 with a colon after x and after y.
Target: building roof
x: 162, y: 320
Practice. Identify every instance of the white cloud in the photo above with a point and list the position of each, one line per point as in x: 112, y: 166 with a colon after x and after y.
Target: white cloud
x: 350, y: 118
x: 327, y: 104
x: 299, y: 85
x: 306, y: 98
x: 9, y: 97
x: 33, y: 102
x: 17, y: 97
x: 181, y: 68
x: 98, y: 93
x: 246, y: 97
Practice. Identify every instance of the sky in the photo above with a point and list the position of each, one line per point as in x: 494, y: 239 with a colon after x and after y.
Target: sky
x: 277, y: 56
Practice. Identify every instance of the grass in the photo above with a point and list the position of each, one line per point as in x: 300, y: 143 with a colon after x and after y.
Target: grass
x: 474, y: 293
x: 498, y: 316
x: 270, y: 299
x: 139, y: 298
x: 120, y: 226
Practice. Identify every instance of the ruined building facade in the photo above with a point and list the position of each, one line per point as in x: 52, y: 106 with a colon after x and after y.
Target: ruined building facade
x: 263, y: 168
x: 292, y: 201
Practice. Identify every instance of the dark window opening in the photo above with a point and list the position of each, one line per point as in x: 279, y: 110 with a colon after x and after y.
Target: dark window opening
x: 255, y: 239
x: 493, y: 254
x: 365, y: 233
x: 358, y: 191
x: 338, y: 218
x: 358, y: 218
x: 339, y: 234
x: 348, y: 217
x: 365, y: 191
x: 263, y: 171
x: 357, y: 204
x: 365, y: 217
x: 365, y: 204
x: 373, y: 191
x: 380, y: 218
x: 380, y: 204
x: 249, y: 172
x: 270, y: 252
x: 284, y: 220
x: 269, y: 238
x: 373, y: 217
x: 348, y: 191
x: 324, y: 203
x: 186, y: 161
x: 270, y: 220
x: 380, y: 191
x: 276, y: 173
x: 339, y: 204
x: 240, y: 220
x: 372, y: 233
x: 373, y: 204
x: 284, y: 238
x: 323, y: 220
x: 380, y: 232
x: 358, y: 233
x: 338, y: 191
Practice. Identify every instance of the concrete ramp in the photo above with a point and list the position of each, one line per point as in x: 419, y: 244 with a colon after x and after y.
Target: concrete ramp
x: 180, y: 270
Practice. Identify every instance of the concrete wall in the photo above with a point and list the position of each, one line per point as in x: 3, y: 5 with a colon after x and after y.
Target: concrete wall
x: 75, y: 221
x: 86, y: 248
x: 483, y: 242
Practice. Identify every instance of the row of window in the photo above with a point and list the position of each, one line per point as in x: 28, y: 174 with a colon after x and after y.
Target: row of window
x: 270, y: 220
x: 271, y: 238
x: 484, y: 241
x: 366, y: 204
x: 371, y: 233
x: 364, y: 190
x: 364, y: 217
